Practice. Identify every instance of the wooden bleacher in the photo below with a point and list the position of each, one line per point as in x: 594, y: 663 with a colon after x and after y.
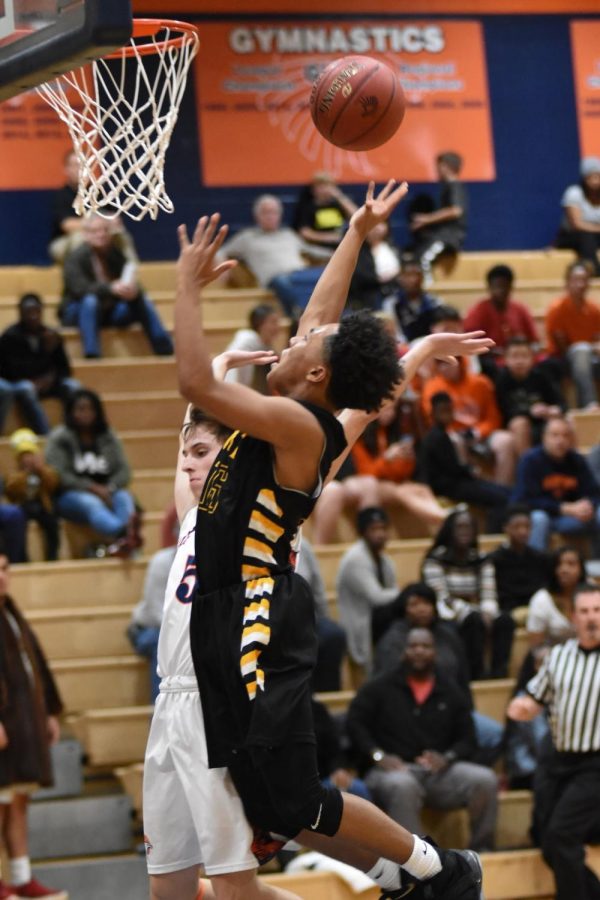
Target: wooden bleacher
x: 80, y: 608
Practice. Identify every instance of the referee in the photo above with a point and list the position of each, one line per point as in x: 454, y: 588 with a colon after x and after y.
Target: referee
x: 569, y: 685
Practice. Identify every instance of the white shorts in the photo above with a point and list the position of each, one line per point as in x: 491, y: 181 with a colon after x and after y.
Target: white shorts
x: 192, y: 814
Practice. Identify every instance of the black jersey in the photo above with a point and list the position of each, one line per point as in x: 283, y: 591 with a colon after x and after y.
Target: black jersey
x: 252, y: 620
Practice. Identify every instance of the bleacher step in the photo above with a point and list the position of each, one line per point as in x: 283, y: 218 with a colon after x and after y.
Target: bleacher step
x: 121, y: 877
x: 80, y: 826
x: 67, y: 769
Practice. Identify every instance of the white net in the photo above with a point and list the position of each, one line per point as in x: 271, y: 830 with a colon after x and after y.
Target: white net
x: 120, y: 112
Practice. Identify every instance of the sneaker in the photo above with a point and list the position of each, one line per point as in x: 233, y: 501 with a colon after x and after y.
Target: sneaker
x: 459, y: 879
x: 6, y: 893
x: 33, y: 888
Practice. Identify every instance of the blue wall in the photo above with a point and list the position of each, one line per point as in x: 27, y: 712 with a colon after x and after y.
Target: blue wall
x: 536, y: 145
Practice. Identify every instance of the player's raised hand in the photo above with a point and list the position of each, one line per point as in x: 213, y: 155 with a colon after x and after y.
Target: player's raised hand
x: 235, y: 359
x: 378, y: 208
x: 198, y: 261
x: 446, y: 346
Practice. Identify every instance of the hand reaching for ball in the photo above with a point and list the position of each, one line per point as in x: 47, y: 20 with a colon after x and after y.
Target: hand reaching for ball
x: 378, y: 208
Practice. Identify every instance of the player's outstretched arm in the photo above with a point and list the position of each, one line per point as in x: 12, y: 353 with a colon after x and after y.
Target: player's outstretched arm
x: 434, y: 346
x: 221, y: 364
x: 329, y: 296
x: 282, y: 422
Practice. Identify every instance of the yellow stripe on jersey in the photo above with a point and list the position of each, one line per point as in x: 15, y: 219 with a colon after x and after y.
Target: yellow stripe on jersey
x: 259, y: 587
x: 264, y: 526
x: 251, y: 688
x: 248, y: 662
x: 267, y: 499
x: 255, y: 634
x: 258, y: 550
x: 250, y: 572
x: 257, y: 609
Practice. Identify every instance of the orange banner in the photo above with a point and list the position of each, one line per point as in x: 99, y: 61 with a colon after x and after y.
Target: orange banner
x: 254, y: 80
x: 33, y: 143
x: 585, y: 43
x: 358, y: 7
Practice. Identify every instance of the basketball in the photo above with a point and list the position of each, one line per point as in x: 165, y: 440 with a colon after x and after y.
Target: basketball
x: 357, y: 103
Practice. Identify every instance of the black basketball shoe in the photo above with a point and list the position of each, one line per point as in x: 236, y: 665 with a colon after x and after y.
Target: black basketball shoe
x: 460, y: 879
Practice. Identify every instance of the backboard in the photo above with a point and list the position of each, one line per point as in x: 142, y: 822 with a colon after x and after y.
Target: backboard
x: 39, y: 39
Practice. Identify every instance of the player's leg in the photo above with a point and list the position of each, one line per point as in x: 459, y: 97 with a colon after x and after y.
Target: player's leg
x: 246, y: 886
x: 182, y: 885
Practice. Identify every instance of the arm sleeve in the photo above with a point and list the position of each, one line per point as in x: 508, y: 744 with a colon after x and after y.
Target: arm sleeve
x: 308, y: 567
x: 489, y: 594
x: 59, y: 455
x: 365, y: 583
x: 528, y: 488
x: 490, y: 414
x: 54, y: 705
x: 121, y: 473
x: 77, y: 281
x: 464, y: 743
x: 537, y: 619
x: 540, y: 686
x: 361, y: 717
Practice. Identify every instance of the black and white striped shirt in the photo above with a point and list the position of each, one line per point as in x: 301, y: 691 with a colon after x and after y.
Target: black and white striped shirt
x: 569, y: 684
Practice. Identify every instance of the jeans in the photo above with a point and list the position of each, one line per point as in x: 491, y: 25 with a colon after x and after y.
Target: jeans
x: 26, y: 396
x: 145, y: 642
x: 86, y: 508
x: 88, y: 315
x: 584, y: 365
x: 542, y: 524
x: 13, y: 525
x: 357, y: 787
x: 294, y: 289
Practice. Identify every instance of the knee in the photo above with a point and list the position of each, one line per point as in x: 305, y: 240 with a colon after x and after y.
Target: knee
x: 403, y: 787
x: 539, y: 518
x: 175, y: 885
x: 26, y: 390
x: 88, y: 304
x: 503, y: 442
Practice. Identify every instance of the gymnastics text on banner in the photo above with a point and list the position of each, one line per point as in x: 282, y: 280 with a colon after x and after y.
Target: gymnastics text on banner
x: 253, y: 81
x: 585, y: 44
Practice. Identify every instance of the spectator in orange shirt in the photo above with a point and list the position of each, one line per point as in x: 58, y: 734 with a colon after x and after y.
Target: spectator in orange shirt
x: 500, y: 317
x: 573, y: 333
x: 477, y: 418
x: 384, y: 463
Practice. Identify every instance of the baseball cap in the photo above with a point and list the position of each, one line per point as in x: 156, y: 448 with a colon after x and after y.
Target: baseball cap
x: 24, y: 440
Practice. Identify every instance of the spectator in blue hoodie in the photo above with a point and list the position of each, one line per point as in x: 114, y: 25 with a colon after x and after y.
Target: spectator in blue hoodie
x: 411, y: 306
x: 558, y: 486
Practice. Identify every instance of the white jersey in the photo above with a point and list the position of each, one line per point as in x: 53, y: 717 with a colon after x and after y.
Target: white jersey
x: 174, y: 653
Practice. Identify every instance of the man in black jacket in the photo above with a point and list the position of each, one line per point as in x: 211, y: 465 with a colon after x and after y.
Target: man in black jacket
x: 449, y: 476
x: 33, y: 365
x: 415, y: 733
x: 101, y: 289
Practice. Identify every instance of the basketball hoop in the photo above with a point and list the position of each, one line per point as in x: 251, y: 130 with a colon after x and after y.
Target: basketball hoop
x: 120, y: 111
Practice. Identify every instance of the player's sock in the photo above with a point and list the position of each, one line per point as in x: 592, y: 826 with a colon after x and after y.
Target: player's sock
x: 424, y: 861
x: 386, y: 874
x: 20, y: 871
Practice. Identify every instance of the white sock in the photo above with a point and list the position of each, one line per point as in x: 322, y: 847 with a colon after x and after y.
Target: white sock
x: 424, y: 861
x: 386, y: 874
x: 20, y: 870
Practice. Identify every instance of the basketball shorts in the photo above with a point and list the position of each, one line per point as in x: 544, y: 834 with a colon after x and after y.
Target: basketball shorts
x: 192, y: 814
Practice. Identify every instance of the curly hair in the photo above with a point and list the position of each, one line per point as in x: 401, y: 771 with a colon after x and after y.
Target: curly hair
x: 364, y: 363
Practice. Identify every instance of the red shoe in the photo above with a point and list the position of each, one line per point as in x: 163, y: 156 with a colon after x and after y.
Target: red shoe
x: 6, y: 893
x: 34, y: 889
